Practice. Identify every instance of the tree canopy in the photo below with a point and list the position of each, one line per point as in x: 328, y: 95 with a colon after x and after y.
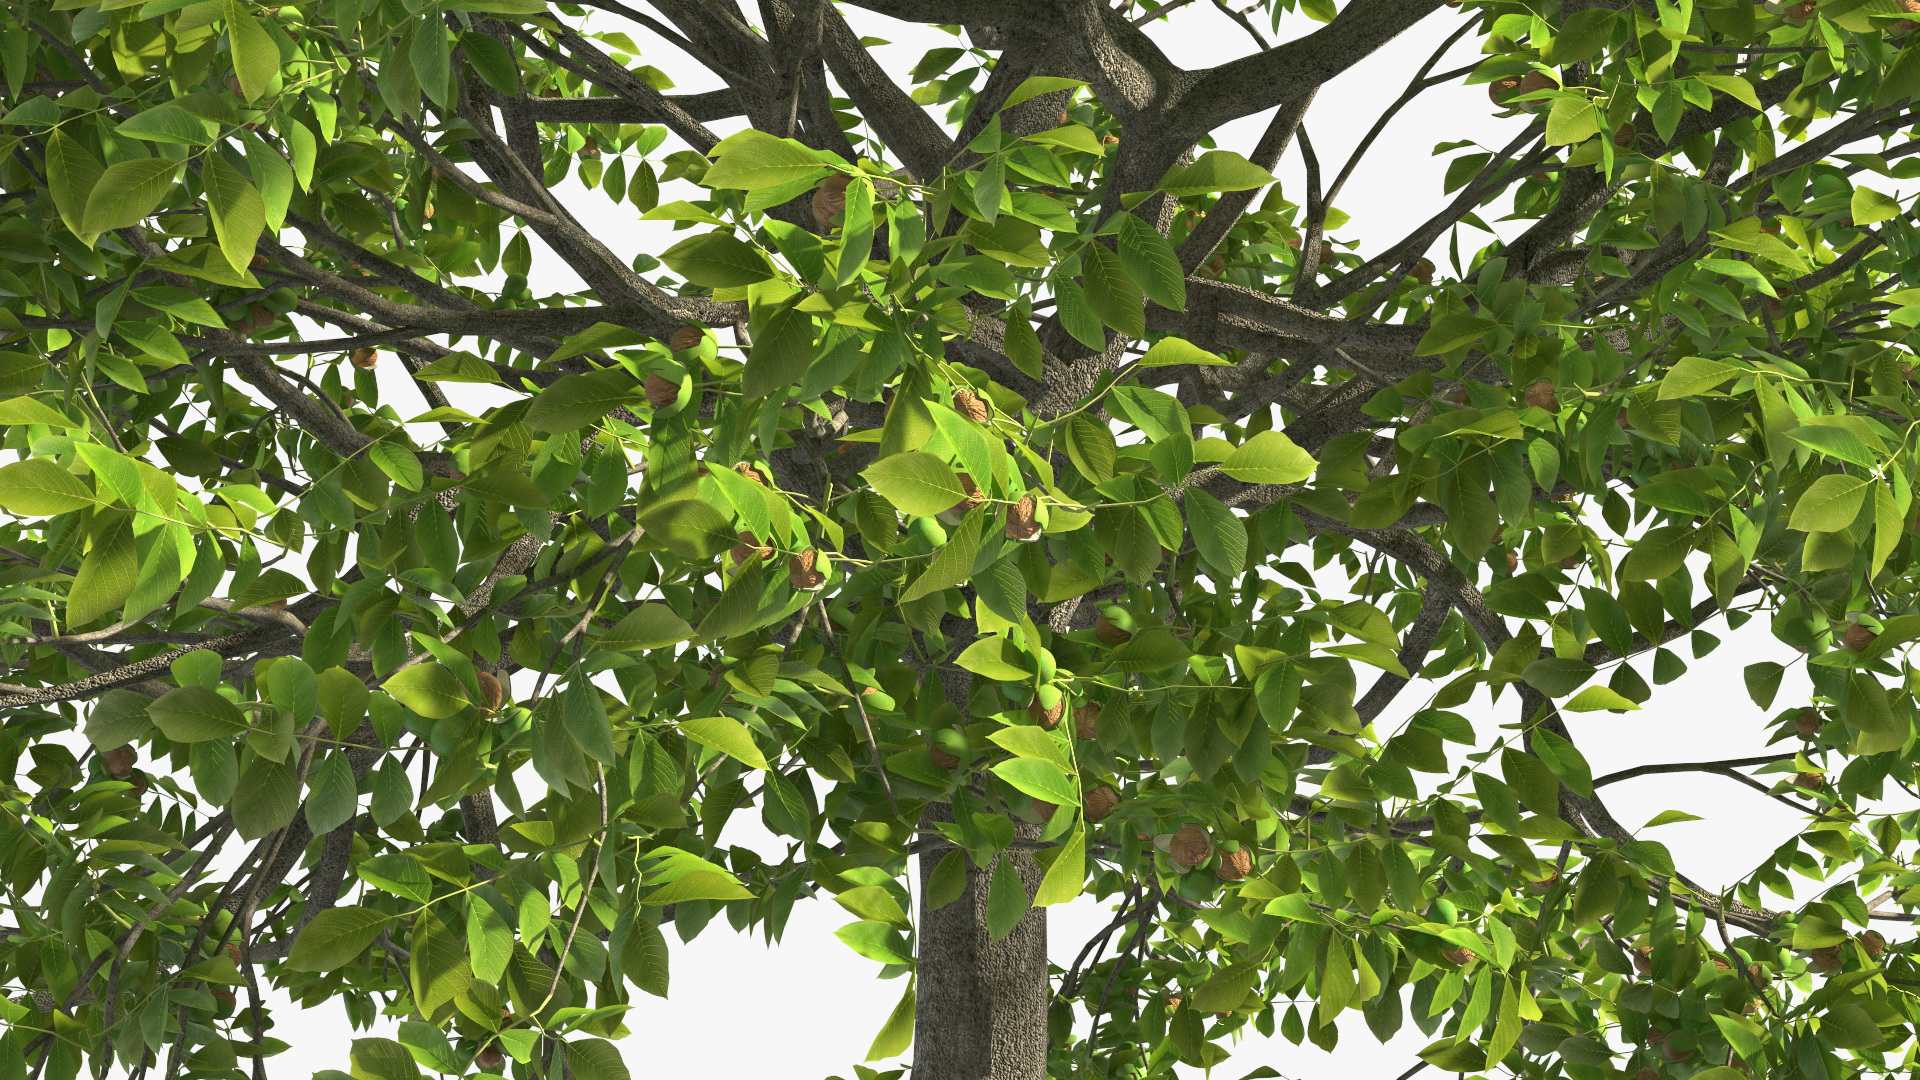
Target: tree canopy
x: 997, y: 486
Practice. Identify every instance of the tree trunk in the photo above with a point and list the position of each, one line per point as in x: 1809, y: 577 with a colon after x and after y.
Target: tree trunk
x: 982, y: 1004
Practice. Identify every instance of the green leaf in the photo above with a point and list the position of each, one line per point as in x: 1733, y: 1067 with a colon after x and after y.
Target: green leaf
x: 26, y: 410
x: 727, y: 735
x: 896, y: 1035
x: 428, y: 689
x: 256, y: 59
x: 1035, y: 85
x: 1216, y: 170
x: 195, y: 714
x: 127, y: 192
x: 644, y: 958
x: 877, y: 941
x: 916, y: 483
x: 1006, y: 900
x: 1658, y: 554
x: 1090, y: 446
x: 72, y: 173
x: 1850, y: 1027
x: 1734, y: 87
x: 1110, y: 294
x: 751, y: 160
x: 1218, y: 533
x: 267, y: 797
x: 595, y: 1059
x: 717, y: 260
x: 1597, y: 699
x: 698, y: 885
x: 1693, y: 376
x: 649, y: 626
x: 1066, y: 875
x: 1269, y: 458
x: 875, y: 904
x: 1032, y: 742
x: 690, y: 528
x: 1149, y: 259
x: 332, y: 796
x: 574, y: 401
x: 1871, y: 714
x: 458, y: 367
x: 781, y: 354
x: 335, y: 938
x: 1669, y: 817
x: 489, y: 939
x: 39, y: 488
x: 343, y: 700
x: 954, y: 563
x: 239, y: 215
x: 1170, y: 351
x: 1870, y: 207
x: 1829, y: 504
x: 996, y: 658
x: 1041, y: 779
x: 1152, y: 649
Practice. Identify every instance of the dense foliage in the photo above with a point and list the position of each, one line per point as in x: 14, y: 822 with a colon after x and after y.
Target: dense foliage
x: 995, y: 472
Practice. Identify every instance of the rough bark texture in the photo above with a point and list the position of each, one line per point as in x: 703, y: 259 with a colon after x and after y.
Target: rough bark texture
x: 982, y: 1004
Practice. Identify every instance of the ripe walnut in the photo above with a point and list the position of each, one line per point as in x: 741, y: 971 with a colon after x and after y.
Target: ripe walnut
x: 1190, y: 847
x: 492, y: 694
x: 1100, y: 802
x: 1234, y: 865
x: 974, y: 496
x: 119, y: 761
x: 749, y: 547
x: 686, y: 338
x: 660, y: 392
x: 802, y: 575
x: 1085, y: 719
x: 830, y: 199
x: 1857, y: 637
x: 1021, y: 525
x: 1540, y: 396
x: 1110, y: 634
x: 972, y: 406
x: 365, y: 359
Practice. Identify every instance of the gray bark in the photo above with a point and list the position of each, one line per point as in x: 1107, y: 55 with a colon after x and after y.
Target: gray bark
x: 982, y: 1004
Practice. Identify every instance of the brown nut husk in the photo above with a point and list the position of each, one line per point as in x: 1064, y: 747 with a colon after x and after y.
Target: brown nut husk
x: 660, y: 392
x: 1086, y: 718
x: 1811, y: 781
x: 1021, y: 525
x: 972, y: 406
x: 1540, y: 396
x: 1827, y: 959
x: 974, y: 495
x: 1045, y: 717
x: 1643, y: 963
x: 1100, y: 802
x: 750, y: 473
x: 1456, y: 956
x: 1873, y: 943
x: 1110, y: 634
x: 1809, y: 722
x: 489, y: 1059
x: 119, y: 761
x: 830, y: 199
x: 1857, y: 637
x: 685, y: 338
x: 943, y: 759
x: 802, y: 575
x: 749, y: 547
x: 1234, y: 865
x: 1190, y: 847
x: 365, y: 359
x: 491, y: 692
